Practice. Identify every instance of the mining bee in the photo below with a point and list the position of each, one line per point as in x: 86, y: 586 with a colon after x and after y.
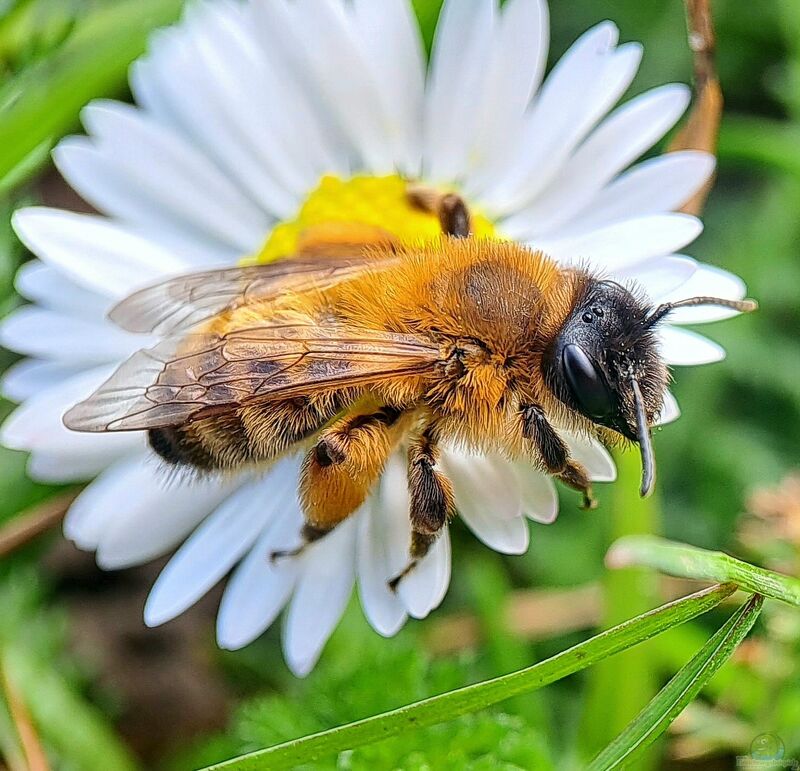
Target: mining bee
x: 358, y: 344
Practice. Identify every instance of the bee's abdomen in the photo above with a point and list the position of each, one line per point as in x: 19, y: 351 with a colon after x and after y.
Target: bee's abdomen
x: 166, y: 443
x: 210, y: 444
x: 245, y: 435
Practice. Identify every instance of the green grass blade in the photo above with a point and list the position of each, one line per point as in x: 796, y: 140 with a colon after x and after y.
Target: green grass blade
x: 462, y: 701
x: 684, y: 561
x: 43, y: 101
x: 671, y: 700
x: 27, y: 167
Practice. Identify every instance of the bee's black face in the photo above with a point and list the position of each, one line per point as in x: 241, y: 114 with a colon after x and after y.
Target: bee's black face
x: 604, y: 362
x: 603, y: 345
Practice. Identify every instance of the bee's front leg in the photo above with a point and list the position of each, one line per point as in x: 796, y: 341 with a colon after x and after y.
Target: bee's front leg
x: 575, y: 476
x: 554, y: 454
x: 432, y: 502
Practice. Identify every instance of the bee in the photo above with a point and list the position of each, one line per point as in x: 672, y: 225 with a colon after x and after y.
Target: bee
x: 358, y: 344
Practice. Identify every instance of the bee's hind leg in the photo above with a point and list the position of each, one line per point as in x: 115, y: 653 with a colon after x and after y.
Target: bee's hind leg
x: 432, y: 504
x: 339, y: 471
x: 309, y: 534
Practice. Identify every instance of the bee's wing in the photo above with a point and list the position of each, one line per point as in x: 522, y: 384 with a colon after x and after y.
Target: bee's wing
x: 181, y: 303
x: 196, y: 376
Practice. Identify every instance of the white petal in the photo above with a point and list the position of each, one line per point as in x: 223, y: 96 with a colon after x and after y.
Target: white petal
x: 670, y: 411
x: 292, y: 82
x: 393, y: 504
x: 159, y: 166
x: 382, y: 607
x: 508, y: 536
x: 93, y: 175
x: 320, y: 597
x: 50, y: 288
x: 60, y: 468
x: 488, y: 500
x: 592, y: 455
x: 51, y: 335
x: 133, y: 513
x: 424, y: 588
x: 94, y: 252
x: 538, y: 494
x: 37, y: 425
x: 237, y: 79
x: 390, y: 36
x: 581, y: 88
x: 659, y: 275
x: 259, y: 587
x: 220, y: 542
x: 458, y: 79
x: 488, y: 475
x: 618, y: 246
x: 301, y: 130
x: 680, y: 347
x: 620, y: 139
x: 515, y: 72
x: 708, y: 281
x: 330, y: 45
x: 98, y: 505
x: 29, y: 377
x: 190, y: 90
x: 654, y: 186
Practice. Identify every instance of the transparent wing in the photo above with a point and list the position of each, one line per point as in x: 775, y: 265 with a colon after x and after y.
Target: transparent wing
x: 181, y: 303
x: 180, y: 380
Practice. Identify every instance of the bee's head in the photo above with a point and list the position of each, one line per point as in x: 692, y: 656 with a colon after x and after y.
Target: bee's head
x: 605, y: 363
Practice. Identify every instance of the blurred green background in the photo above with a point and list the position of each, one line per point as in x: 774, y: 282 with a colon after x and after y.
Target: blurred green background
x: 98, y: 691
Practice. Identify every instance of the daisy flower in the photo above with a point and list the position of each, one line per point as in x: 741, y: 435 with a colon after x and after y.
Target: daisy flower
x: 255, y: 120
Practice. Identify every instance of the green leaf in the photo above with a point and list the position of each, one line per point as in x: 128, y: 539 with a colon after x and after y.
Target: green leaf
x: 44, y: 100
x: 684, y: 561
x: 670, y: 701
x: 27, y: 167
x: 481, y: 695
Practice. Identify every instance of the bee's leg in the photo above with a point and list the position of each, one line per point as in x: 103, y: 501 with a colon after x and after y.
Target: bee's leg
x: 575, y: 476
x: 450, y: 208
x: 554, y: 454
x: 340, y: 469
x: 308, y: 535
x: 432, y: 503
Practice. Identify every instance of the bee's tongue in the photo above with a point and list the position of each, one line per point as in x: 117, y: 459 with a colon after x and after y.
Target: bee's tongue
x: 645, y: 442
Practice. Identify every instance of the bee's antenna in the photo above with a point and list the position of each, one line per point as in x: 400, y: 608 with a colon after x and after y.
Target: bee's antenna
x: 743, y: 306
x: 645, y: 442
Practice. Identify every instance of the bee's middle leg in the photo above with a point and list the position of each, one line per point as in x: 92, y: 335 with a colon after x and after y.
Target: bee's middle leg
x: 432, y: 503
x: 554, y: 454
x: 450, y: 208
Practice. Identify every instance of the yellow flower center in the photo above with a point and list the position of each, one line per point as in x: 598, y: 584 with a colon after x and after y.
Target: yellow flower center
x: 379, y: 202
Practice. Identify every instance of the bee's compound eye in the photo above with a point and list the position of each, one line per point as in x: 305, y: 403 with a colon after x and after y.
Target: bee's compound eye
x: 586, y: 383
